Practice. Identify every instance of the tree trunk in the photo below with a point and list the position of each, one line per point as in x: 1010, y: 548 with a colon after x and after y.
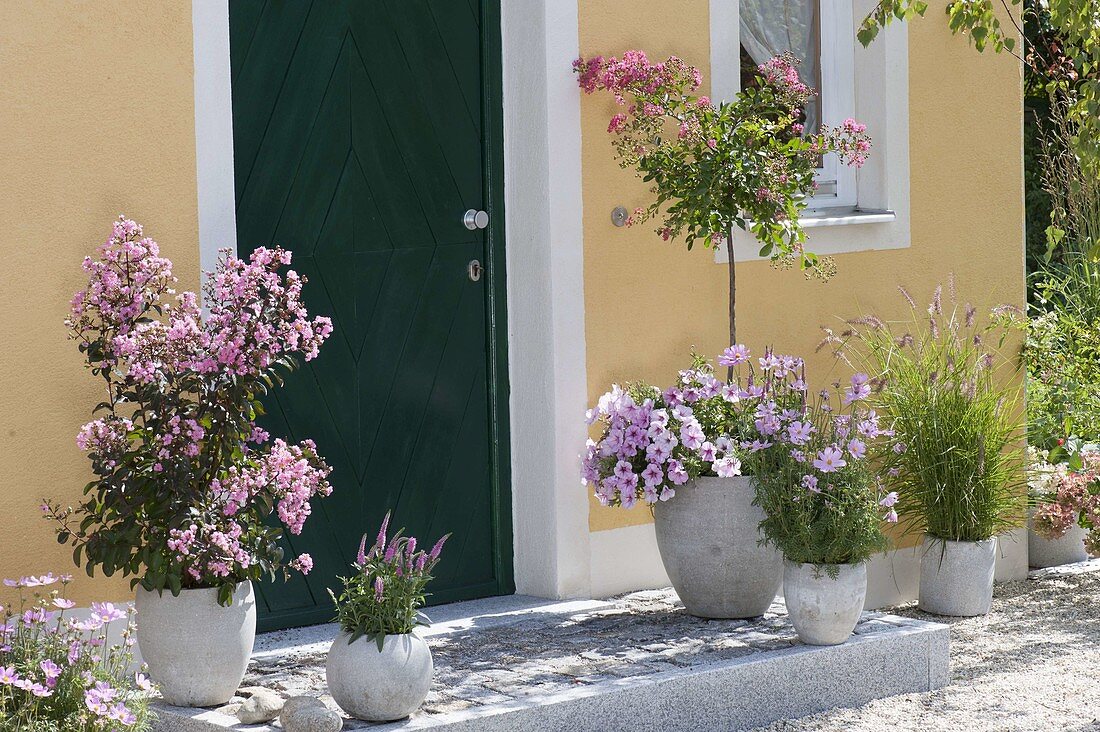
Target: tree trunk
x: 733, y: 297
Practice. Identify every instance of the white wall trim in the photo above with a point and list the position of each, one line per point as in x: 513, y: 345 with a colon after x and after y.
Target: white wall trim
x: 545, y: 254
x: 626, y: 559
x: 213, y: 130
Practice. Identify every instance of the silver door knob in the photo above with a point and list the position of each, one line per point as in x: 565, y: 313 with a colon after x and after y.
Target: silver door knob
x: 473, y: 270
x: 474, y: 219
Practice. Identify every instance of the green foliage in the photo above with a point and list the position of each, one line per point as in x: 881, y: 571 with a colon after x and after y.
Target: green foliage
x: 1063, y: 61
x: 958, y: 466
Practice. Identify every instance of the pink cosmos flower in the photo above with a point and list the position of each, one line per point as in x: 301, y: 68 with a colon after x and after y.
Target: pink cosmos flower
x: 830, y: 460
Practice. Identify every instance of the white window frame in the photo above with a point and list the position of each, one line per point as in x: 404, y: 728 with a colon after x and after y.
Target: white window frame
x: 878, y: 215
x: 838, y: 101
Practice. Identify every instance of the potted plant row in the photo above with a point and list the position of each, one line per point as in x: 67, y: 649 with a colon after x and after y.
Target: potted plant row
x: 729, y: 468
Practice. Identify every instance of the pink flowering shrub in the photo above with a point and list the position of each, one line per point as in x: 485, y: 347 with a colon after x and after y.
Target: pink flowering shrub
x: 59, y: 674
x: 185, y: 480
x: 384, y: 595
x: 713, y: 166
x: 1069, y: 497
x: 654, y: 441
x: 819, y: 485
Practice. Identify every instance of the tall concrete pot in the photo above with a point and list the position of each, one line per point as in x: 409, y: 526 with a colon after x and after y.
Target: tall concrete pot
x: 956, y: 577
x: 824, y: 610
x: 196, y: 649
x: 1067, y: 549
x: 708, y: 536
x: 379, y: 686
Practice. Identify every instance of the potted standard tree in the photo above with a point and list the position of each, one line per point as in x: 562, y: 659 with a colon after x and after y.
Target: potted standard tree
x: 715, y: 167
x: 680, y: 451
x: 379, y: 669
x: 185, y: 482
x: 824, y: 506
x: 954, y: 459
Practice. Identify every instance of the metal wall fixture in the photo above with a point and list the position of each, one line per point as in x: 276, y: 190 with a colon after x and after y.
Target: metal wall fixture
x: 619, y: 215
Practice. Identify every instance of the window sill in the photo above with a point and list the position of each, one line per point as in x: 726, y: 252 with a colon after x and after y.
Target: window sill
x: 846, y: 217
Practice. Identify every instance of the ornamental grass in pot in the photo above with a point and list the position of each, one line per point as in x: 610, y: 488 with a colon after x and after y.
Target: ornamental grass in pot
x: 187, y: 488
x: 1064, y: 524
x: 956, y: 456
x: 825, y: 507
x: 379, y: 669
x: 680, y: 451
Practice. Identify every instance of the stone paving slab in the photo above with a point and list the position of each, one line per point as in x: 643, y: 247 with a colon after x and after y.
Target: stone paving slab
x: 619, y: 664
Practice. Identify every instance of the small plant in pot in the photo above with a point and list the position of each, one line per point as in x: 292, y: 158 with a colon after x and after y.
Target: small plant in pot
x: 680, y: 451
x: 955, y: 459
x: 825, y: 506
x: 1065, y: 517
x: 379, y: 669
x: 185, y: 482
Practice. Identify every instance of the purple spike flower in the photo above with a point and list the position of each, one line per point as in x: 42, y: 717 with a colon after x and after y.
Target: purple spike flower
x: 378, y: 587
x: 434, y: 553
x: 361, y: 557
x: 380, y: 542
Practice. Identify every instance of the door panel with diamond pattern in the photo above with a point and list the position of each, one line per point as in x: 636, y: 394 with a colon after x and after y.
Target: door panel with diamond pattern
x: 363, y: 129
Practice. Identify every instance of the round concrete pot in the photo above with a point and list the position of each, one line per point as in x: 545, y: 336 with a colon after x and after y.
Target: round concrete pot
x: 196, y: 649
x: 708, y: 535
x: 824, y: 610
x: 379, y: 686
x: 1066, y: 549
x: 956, y: 577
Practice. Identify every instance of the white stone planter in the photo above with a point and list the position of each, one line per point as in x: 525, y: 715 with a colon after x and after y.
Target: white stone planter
x: 956, y: 577
x: 824, y: 610
x: 1067, y: 549
x: 708, y: 535
x: 379, y: 686
x: 196, y: 649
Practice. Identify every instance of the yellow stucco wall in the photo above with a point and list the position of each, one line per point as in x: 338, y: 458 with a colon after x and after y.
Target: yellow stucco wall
x: 647, y: 301
x: 96, y: 119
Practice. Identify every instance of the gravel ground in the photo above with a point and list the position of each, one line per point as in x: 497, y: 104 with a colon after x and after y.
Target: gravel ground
x: 1032, y: 664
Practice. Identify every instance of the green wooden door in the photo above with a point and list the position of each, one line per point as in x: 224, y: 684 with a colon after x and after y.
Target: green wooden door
x: 363, y: 130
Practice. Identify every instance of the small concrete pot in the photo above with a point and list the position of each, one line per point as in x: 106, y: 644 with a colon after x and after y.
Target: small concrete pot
x: 196, y: 649
x: 379, y: 686
x: 1067, y: 549
x: 708, y: 535
x: 956, y: 577
x: 824, y: 610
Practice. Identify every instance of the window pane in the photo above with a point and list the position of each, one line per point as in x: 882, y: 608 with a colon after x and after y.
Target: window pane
x: 770, y: 27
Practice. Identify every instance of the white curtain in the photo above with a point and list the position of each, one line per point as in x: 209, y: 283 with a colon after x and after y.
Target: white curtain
x: 770, y: 27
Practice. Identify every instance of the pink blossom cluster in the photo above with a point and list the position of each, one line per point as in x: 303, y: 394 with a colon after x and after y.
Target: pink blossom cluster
x: 255, y: 316
x: 634, y: 73
x: 105, y: 438
x: 127, y: 280
x: 1071, y: 497
x: 287, y: 476
x: 57, y: 670
x: 654, y: 441
x: 781, y: 72
x: 849, y: 141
